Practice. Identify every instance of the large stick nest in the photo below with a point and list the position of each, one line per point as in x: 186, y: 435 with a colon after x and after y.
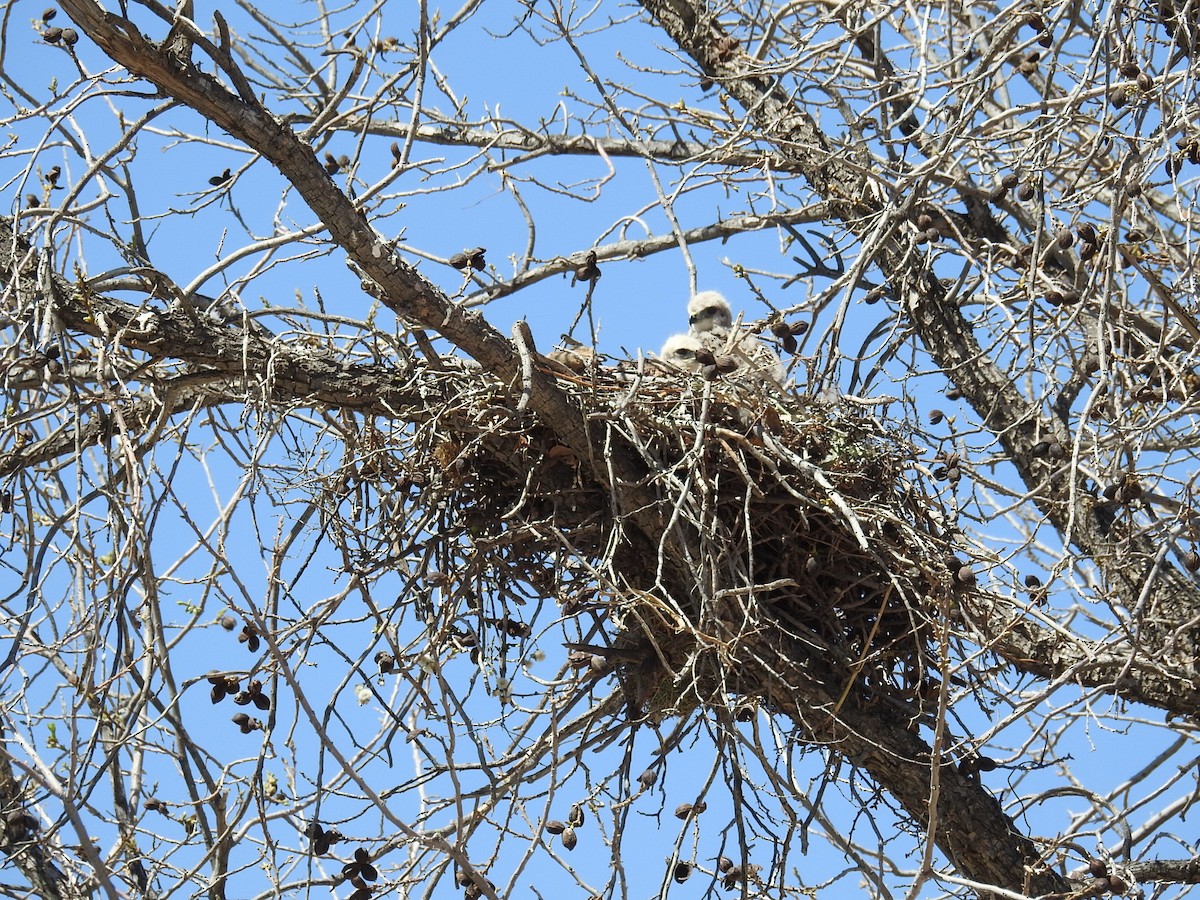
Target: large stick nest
x: 801, y: 518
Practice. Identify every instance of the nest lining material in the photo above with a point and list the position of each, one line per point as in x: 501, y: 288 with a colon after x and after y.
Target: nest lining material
x: 807, y: 517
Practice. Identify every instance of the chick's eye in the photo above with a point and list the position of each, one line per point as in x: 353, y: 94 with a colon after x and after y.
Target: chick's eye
x: 685, y: 354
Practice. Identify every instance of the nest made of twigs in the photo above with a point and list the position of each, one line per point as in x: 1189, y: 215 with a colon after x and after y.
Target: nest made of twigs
x: 806, y: 516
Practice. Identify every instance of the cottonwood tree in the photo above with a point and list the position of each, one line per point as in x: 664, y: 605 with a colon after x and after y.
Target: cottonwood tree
x: 317, y: 577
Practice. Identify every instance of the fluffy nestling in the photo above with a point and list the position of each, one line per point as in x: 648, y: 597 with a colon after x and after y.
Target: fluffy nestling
x: 710, y: 321
x: 680, y: 351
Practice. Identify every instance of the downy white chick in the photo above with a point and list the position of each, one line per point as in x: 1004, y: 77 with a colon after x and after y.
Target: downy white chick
x: 680, y: 351
x: 710, y: 321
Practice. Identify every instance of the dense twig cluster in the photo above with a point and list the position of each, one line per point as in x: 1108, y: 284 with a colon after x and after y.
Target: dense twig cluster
x: 814, y: 527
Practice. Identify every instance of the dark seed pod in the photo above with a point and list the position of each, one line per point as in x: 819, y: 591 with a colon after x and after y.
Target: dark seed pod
x: 32, y: 201
x: 1172, y: 166
x: 575, y: 816
x: 789, y: 343
x: 683, y: 810
x: 1033, y: 56
x: 362, y: 860
x: 1010, y: 180
x: 647, y: 779
x: 1056, y: 450
x: 705, y: 357
x: 924, y: 221
x: 1129, y: 69
x: 986, y: 764
x: 1133, y: 189
x: 965, y: 576
x: 1026, y: 192
x: 922, y: 237
x: 875, y: 294
x: 218, y: 180
x: 681, y: 872
x: 1145, y: 82
x: 936, y: 416
x: 700, y: 807
x: 1191, y: 561
x: 1135, y: 235
x: 706, y: 84
x: 952, y: 393
x: 1119, y: 96
x: 724, y: 864
x: 154, y: 804
x: 1117, y: 884
x: 1032, y: 581
x: 997, y: 194
x: 52, y: 35
x: 331, y: 163
x: 744, y: 713
x: 228, y: 622
x: 1064, y: 238
x: 1046, y: 39
x: 726, y: 364
x: 385, y: 661
x: 932, y: 235
x: 1097, y: 868
x: 1026, y: 67
x: 1035, y: 21
x: 469, y: 258
x: 1086, y: 232
x: 569, y: 838
x: 49, y: 13
x: 70, y: 37
x: 249, y: 637
x: 1054, y: 298
x: 1087, y: 251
